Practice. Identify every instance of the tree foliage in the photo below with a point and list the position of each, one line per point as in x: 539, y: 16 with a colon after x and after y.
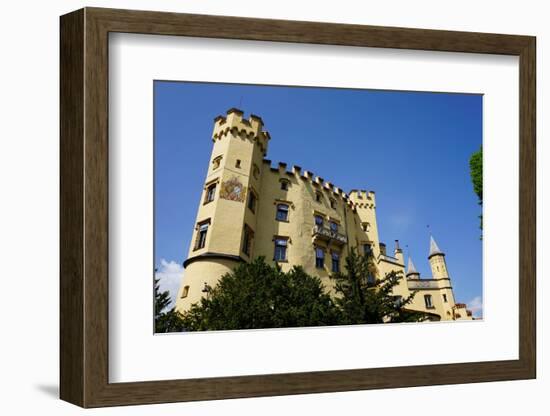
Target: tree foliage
x: 257, y: 295
x: 365, y: 299
x: 165, y: 321
x: 476, y: 173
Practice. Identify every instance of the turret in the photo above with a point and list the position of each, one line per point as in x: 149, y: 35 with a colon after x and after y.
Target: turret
x: 437, y: 261
x: 412, y: 273
x: 398, y: 253
x: 226, y: 217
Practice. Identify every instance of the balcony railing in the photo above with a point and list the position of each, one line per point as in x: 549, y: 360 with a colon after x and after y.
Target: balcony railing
x: 326, y: 233
x: 422, y: 284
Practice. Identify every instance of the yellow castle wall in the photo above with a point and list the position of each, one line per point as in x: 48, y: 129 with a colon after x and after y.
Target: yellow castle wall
x: 235, y: 138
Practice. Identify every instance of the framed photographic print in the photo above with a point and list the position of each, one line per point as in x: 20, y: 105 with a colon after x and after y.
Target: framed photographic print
x: 255, y: 207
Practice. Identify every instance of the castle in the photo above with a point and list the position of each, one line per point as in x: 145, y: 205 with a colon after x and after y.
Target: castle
x: 291, y: 217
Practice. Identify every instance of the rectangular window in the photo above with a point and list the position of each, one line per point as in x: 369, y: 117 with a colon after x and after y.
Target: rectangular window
x: 252, y: 201
x: 335, y: 262
x: 282, y: 212
x: 428, y: 301
x: 210, y: 193
x: 318, y: 220
x: 367, y: 249
x: 201, y: 236
x: 248, y: 234
x: 334, y: 226
x: 280, y: 249
x: 185, y: 292
x: 444, y: 298
x: 398, y: 301
x: 319, y: 258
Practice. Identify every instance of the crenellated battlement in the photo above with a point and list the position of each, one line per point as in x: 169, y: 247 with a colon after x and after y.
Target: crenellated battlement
x: 363, y: 198
x: 355, y: 199
x: 235, y: 123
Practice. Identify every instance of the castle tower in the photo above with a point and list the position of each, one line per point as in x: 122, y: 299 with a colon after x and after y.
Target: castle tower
x: 437, y: 261
x: 440, y: 272
x: 412, y: 273
x: 225, y: 223
x: 398, y: 253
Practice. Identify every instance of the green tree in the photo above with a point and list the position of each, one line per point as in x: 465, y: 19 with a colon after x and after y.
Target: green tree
x: 165, y: 321
x: 476, y: 173
x: 365, y: 299
x: 257, y: 295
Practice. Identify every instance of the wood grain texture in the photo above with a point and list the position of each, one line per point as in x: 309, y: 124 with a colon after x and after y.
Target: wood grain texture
x: 71, y: 211
x: 84, y: 207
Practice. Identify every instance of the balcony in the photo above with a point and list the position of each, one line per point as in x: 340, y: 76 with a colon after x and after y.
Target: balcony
x: 326, y: 234
x: 422, y: 284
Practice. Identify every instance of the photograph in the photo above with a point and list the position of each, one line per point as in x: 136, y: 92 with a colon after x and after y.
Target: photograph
x: 303, y: 206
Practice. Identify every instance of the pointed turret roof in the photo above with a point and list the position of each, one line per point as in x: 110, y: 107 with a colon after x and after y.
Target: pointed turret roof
x: 410, y: 268
x: 434, y: 249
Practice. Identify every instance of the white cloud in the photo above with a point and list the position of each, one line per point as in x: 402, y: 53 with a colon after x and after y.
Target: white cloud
x: 476, y: 306
x: 170, y: 274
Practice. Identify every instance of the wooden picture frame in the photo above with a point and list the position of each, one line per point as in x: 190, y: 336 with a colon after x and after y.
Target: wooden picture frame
x: 84, y: 207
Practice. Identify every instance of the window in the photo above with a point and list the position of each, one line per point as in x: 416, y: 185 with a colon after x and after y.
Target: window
x: 216, y: 162
x: 335, y: 262
x: 370, y: 279
x: 398, y: 301
x: 201, y: 235
x: 318, y: 197
x: 444, y: 297
x: 365, y: 226
x: 282, y: 212
x: 255, y: 171
x: 428, y: 301
x: 284, y: 184
x: 367, y: 249
x: 210, y: 193
x: 333, y: 226
x: 238, y: 163
x: 318, y: 221
x: 185, y: 292
x: 319, y: 258
x: 248, y: 235
x: 280, y: 249
x: 332, y: 203
x: 252, y: 201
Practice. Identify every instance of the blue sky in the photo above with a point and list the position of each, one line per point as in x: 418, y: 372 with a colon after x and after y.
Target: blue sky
x: 411, y: 148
